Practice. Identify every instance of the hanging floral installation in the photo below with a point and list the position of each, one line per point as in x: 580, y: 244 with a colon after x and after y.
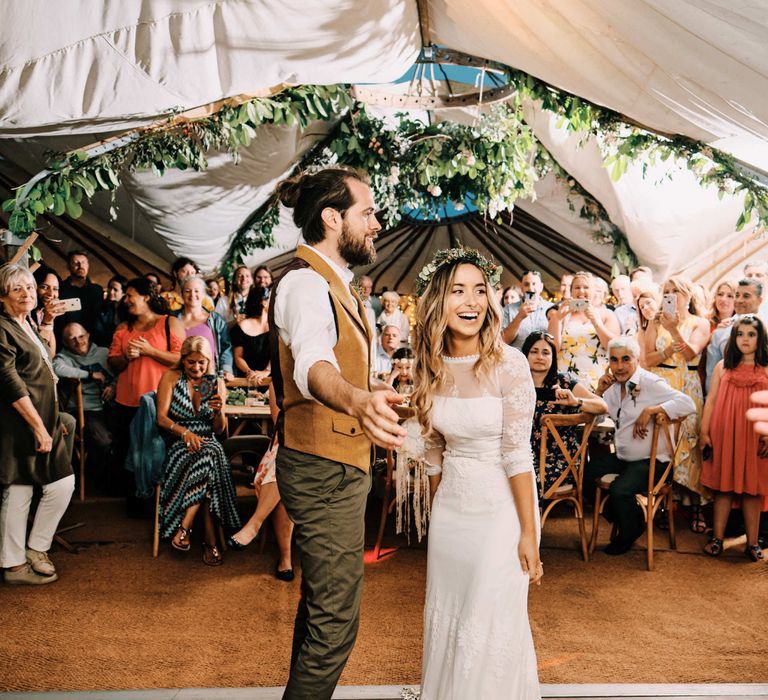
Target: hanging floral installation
x: 416, y: 169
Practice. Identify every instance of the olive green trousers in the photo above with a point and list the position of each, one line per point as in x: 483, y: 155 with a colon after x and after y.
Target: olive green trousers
x: 326, y: 501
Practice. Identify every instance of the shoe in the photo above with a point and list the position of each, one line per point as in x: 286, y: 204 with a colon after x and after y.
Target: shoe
x: 618, y: 546
x: 754, y: 552
x: 212, y: 555
x: 183, y: 543
x: 713, y: 547
x: 698, y: 524
x: 40, y: 563
x: 284, y: 575
x: 27, y: 576
x: 236, y: 545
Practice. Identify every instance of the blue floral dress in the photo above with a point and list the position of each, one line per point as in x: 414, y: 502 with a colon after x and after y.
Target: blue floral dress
x: 193, y: 477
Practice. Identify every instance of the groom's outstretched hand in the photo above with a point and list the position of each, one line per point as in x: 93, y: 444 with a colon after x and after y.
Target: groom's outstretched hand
x: 759, y: 416
x: 378, y: 419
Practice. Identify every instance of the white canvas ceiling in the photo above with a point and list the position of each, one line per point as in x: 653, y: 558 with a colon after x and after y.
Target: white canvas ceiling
x: 699, y: 68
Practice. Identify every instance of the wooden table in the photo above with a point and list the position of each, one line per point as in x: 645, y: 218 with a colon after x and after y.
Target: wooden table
x: 261, y: 415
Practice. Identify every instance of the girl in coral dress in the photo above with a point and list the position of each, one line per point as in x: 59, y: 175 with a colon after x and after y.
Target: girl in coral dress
x: 739, y: 461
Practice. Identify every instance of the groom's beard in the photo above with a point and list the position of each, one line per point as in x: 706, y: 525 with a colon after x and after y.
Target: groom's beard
x: 355, y: 251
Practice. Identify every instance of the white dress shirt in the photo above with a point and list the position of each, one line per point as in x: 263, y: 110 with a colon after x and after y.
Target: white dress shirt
x: 305, y: 321
x: 649, y: 390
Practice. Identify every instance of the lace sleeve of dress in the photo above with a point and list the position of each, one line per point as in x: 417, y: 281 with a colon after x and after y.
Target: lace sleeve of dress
x: 418, y: 449
x: 519, y: 401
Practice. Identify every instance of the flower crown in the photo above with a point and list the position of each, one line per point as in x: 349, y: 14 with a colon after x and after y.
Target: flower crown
x: 452, y: 256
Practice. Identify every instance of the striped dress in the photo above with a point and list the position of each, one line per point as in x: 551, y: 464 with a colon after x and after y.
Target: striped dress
x: 190, y: 478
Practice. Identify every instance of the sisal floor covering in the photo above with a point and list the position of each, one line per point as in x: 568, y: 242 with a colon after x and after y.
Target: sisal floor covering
x: 118, y: 618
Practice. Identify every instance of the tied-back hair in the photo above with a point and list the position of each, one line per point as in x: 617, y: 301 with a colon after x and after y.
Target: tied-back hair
x: 732, y: 355
x: 309, y: 193
x: 145, y: 288
x: 195, y: 343
x: 430, y: 333
x: 551, y: 379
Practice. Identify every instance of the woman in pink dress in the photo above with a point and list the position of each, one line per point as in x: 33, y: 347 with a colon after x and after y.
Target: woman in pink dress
x: 738, y: 466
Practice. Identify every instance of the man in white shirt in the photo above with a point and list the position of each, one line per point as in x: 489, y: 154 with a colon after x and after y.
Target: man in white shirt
x: 634, y: 396
x: 520, y: 319
x: 747, y: 300
x: 758, y: 270
x: 330, y: 417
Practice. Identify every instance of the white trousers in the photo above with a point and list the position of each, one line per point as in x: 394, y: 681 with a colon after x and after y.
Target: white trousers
x: 14, y: 512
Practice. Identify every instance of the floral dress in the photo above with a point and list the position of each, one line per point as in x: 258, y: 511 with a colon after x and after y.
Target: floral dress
x: 580, y: 352
x: 193, y: 477
x: 570, y: 434
x: 683, y: 376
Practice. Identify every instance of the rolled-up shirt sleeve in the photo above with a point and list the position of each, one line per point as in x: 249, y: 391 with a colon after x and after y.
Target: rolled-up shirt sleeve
x: 305, y: 322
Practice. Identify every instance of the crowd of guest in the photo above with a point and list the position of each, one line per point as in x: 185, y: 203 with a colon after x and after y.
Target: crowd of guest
x: 665, y: 339
x: 629, y: 348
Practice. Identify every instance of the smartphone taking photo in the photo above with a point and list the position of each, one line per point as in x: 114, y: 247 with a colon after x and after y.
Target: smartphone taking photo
x: 67, y: 305
x: 669, y: 304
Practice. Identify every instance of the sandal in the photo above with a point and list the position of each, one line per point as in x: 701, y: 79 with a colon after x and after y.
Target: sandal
x: 698, y: 524
x: 754, y: 552
x: 713, y: 547
x: 183, y: 543
x: 212, y: 555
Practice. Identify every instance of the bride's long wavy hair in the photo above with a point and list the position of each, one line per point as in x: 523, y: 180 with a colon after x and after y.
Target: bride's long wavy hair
x: 430, y: 335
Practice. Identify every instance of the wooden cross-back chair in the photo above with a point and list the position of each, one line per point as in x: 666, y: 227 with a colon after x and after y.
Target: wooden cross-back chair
x: 72, y: 388
x: 658, y: 491
x: 560, y: 491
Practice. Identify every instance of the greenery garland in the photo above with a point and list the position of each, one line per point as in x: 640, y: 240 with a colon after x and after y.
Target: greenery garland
x: 176, y: 143
x: 416, y: 167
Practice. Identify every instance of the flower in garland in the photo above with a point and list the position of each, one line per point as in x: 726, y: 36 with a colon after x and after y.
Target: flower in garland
x: 452, y: 256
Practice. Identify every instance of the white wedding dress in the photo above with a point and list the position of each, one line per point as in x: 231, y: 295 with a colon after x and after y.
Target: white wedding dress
x: 477, y: 638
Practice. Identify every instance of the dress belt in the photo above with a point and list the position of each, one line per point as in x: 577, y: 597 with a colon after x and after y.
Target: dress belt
x: 692, y: 368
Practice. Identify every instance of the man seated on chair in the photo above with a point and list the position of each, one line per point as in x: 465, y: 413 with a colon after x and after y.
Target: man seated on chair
x: 83, y: 360
x: 634, y: 397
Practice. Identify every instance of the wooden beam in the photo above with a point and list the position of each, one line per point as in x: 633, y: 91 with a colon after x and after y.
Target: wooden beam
x: 23, y: 248
x: 422, y: 7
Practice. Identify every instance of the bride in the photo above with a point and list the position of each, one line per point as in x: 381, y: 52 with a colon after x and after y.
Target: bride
x: 474, y: 401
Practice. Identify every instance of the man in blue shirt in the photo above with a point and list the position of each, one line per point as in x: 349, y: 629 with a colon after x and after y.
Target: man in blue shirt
x: 521, y: 319
x: 748, y: 298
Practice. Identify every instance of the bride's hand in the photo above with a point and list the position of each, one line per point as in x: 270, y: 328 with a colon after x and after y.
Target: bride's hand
x: 528, y: 551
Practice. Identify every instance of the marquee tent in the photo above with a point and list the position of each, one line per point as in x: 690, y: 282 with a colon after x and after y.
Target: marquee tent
x: 70, y: 76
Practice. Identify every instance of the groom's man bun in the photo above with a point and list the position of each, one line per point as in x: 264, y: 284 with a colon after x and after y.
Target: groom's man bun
x: 309, y: 193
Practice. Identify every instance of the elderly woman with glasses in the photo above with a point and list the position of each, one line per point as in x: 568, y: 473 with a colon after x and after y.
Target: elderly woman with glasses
x: 392, y: 316
x: 33, y: 450
x: 556, y: 392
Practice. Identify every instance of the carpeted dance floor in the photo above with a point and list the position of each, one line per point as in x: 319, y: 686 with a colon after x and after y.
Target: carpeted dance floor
x: 118, y: 618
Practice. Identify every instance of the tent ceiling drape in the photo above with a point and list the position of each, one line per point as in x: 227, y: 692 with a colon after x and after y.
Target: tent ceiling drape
x: 71, y: 73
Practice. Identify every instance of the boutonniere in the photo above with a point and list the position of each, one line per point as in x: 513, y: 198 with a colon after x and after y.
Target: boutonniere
x: 634, y: 392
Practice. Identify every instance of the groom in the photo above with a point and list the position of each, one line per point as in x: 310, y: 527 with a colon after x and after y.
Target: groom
x: 321, y: 350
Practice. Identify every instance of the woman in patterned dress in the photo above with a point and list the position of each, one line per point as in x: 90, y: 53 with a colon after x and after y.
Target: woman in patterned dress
x: 582, y: 334
x: 555, y: 393
x: 671, y: 348
x: 196, y: 472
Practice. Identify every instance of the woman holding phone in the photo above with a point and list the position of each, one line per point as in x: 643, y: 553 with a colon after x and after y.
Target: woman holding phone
x: 582, y: 332
x: 196, y: 473
x: 672, y: 346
